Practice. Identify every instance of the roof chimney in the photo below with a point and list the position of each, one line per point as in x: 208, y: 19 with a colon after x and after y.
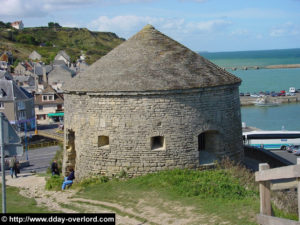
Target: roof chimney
x: 45, y: 75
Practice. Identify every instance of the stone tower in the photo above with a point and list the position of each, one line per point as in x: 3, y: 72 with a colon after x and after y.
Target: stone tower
x: 148, y: 105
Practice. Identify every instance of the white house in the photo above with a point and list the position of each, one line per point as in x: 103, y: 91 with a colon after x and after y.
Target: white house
x: 18, y: 25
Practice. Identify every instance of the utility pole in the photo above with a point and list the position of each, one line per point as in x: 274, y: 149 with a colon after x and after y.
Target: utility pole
x: 2, y: 165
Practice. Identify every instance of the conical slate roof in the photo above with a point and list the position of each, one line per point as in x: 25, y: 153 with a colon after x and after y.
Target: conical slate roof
x: 150, y: 61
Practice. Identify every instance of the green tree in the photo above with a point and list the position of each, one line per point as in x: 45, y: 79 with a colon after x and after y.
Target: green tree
x: 26, y: 39
x: 53, y: 25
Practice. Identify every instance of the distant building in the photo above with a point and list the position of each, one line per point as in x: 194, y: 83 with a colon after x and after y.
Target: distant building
x: 5, y: 75
x: 16, y: 104
x: 48, y: 104
x: 63, y: 56
x: 35, y: 56
x: 4, y: 65
x: 18, y: 25
x: 59, y: 76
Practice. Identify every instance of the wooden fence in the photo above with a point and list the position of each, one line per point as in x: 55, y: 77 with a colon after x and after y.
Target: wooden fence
x: 264, y: 176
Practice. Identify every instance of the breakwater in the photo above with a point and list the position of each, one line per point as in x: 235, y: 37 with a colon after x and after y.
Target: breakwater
x: 282, y: 66
x: 248, y: 101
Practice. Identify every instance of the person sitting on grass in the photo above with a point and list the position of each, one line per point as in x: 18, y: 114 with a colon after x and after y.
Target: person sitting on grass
x: 69, y: 179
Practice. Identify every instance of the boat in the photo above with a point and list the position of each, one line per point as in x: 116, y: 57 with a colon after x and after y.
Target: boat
x: 266, y: 101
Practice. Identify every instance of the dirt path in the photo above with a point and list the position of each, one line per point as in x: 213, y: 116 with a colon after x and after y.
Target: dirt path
x: 32, y: 186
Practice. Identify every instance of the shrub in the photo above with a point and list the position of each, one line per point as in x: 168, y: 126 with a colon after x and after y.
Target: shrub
x: 216, y: 183
x: 26, y: 39
x: 92, y: 180
x: 54, y: 183
x: 59, y: 158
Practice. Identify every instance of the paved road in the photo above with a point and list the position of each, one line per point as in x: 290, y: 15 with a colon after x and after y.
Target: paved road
x: 39, y: 159
x: 288, y: 156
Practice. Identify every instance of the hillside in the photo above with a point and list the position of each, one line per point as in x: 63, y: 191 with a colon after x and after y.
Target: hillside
x: 48, y: 41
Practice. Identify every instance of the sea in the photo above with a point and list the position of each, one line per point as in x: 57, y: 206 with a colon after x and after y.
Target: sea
x: 284, y: 116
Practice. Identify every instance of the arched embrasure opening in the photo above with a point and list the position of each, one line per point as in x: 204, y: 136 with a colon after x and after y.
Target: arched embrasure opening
x: 208, y: 146
x: 70, y: 151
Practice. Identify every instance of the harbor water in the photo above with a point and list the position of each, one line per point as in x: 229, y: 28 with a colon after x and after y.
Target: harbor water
x: 283, y: 116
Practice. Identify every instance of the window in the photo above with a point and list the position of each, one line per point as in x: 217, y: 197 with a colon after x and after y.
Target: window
x: 41, y: 107
x: 48, y: 97
x: 103, y: 141
x: 1, y: 105
x: 157, y: 143
x: 21, y: 115
x: 21, y: 105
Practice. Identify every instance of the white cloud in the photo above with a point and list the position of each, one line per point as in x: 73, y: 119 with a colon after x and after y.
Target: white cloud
x: 208, y: 26
x: 240, y: 32
x: 19, y: 8
x: 41, y: 8
x: 287, y: 29
x: 192, y: 0
x: 122, y: 25
x: 126, y: 26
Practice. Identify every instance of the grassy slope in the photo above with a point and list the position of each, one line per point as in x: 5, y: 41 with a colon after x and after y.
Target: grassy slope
x: 214, y: 193
x: 72, y: 40
x: 228, y: 193
x: 15, y: 203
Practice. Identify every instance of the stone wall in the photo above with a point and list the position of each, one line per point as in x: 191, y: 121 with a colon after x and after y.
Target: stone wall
x: 114, y: 132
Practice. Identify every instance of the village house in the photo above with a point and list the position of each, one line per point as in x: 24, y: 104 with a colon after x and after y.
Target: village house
x: 26, y: 82
x: 18, y: 25
x: 48, y: 105
x: 4, y: 65
x: 60, y: 75
x: 16, y: 103
x: 6, y: 59
x: 62, y: 56
x: 35, y: 56
x: 20, y: 69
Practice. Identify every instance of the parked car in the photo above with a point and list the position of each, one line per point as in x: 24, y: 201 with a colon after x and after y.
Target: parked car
x: 247, y: 94
x: 281, y: 93
x: 296, y: 150
x: 290, y: 94
x: 292, y: 90
x: 254, y: 95
x: 290, y: 148
x: 242, y: 94
x: 267, y: 93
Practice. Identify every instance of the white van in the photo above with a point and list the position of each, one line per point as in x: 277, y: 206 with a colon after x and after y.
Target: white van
x: 292, y: 90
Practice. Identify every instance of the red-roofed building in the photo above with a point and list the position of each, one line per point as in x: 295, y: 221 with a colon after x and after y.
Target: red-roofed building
x: 18, y: 25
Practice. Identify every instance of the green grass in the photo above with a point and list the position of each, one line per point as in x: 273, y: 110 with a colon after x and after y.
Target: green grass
x: 228, y: 191
x: 73, y: 40
x: 16, y: 203
x: 212, y: 192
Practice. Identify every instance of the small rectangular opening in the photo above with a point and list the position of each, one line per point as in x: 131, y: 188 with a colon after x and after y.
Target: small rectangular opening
x: 157, y: 142
x: 201, y: 142
x: 103, y: 141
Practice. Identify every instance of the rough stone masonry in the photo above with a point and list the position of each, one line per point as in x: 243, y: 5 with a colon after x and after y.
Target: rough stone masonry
x: 150, y: 104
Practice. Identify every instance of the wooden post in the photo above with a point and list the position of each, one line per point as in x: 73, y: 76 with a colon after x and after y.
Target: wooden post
x: 264, y: 192
x: 298, y: 191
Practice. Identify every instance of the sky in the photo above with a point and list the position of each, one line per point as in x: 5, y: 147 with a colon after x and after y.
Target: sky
x: 201, y: 25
